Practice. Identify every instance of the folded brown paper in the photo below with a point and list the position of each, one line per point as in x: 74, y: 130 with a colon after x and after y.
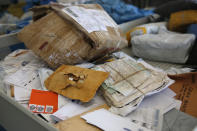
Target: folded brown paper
x: 186, y: 89
x: 75, y: 82
x: 78, y: 124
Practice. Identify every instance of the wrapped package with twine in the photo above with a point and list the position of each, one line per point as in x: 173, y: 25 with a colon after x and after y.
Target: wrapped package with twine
x: 129, y: 82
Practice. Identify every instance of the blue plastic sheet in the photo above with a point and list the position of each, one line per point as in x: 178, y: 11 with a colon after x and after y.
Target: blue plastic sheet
x: 32, y: 3
x: 192, y: 29
x: 120, y: 11
x: 20, y: 25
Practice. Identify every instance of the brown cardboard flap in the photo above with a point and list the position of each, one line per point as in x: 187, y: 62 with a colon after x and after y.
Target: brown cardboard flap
x: 186, y: 89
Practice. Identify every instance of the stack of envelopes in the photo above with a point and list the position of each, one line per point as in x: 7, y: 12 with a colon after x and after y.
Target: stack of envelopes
x: 129, y: 82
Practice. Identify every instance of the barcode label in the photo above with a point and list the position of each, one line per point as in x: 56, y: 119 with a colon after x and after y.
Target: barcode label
x: 49, y: 109
x: 71, y: 12
x: 91, y: 20
x: 40, y: 108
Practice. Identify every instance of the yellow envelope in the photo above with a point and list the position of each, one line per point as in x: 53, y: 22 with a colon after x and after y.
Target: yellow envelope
x: 75, y: 82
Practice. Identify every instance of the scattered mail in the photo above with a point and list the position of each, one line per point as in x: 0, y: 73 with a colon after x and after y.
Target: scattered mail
x: 73, y: 108
x: 20, y: 58
x: 14, y: 62
x: 26, y: 77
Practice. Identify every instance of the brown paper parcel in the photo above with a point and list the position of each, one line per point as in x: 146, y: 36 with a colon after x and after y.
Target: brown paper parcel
x: 75, y: 82
x: 58, y: 40
x: 185, y: 88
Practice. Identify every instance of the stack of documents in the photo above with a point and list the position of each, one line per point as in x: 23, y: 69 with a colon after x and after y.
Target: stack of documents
x: 24, y: 80
x: 129, y: 82
x: 20, y: 74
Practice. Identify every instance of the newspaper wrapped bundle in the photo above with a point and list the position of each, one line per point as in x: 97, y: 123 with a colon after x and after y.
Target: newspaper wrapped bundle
x: 129, y: 82
x: 79, y: 33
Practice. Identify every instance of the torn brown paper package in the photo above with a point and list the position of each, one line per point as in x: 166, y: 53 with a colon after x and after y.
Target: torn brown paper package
x: 78, y: 124
x: 185, y: 88
x: 60, y: 40
x: 40, y: 11
x: 75, y: 82
x: 128, y: 83
x: 104, y: 30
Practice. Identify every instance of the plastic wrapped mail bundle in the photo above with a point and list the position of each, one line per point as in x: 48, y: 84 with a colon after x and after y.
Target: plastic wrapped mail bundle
x: 129, y: 82
x: 155, y: 42
x: 79, y: 33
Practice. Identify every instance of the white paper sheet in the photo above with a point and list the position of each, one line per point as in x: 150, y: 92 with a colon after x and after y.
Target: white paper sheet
x: 62, y: 101
x: 178, y: 104
x: 108, y: 121
x: 73, y: 108
x: 44, y: 73
x: 85, y: 65
x: 149, y: 118
x: 21, y: 94
x: 163, y: 101
x: 20, y: 58
x: 26, y: 77
x: 174, y: 71
x: 90, y: 19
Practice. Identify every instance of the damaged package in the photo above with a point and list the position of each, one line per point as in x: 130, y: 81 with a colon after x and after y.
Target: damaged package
x: 129, y: 82
x: 72, y: 35
x: 75, y: 82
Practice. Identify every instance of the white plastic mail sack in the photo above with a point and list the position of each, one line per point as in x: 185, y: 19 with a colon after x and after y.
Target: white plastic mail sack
x: 163, y: 45
x: 151, y: 28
